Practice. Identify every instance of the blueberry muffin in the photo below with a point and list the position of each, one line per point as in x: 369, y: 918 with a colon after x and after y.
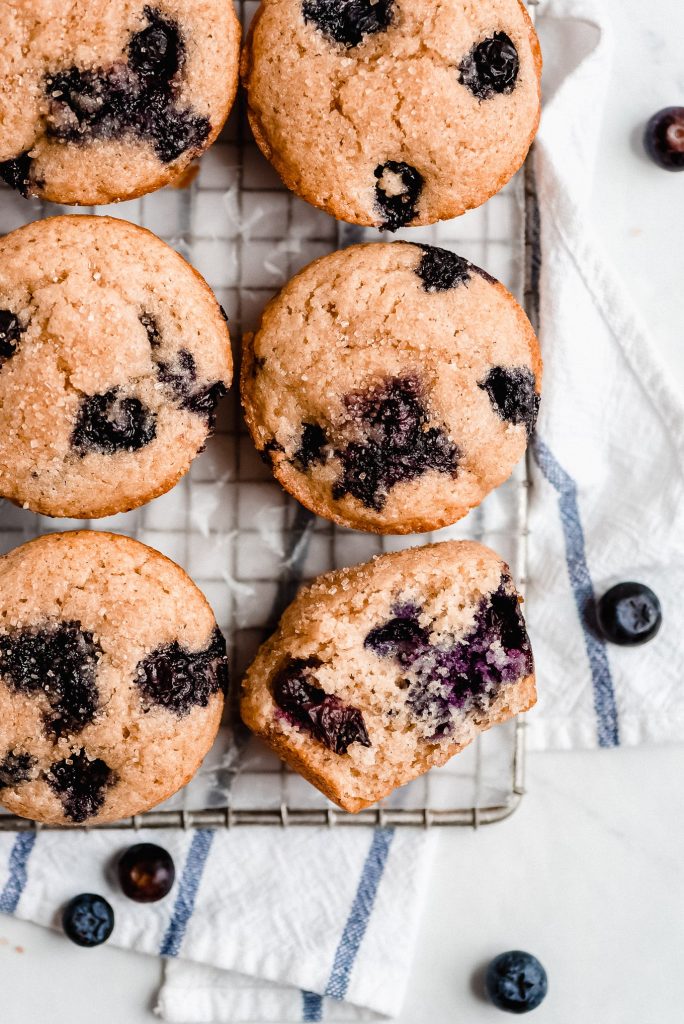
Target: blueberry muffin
x: 113, y: 356
x: 393, y: 112
x: 102, y: 101
x: 392, y: 386
x: 112, y: 677
x: 378, y: 673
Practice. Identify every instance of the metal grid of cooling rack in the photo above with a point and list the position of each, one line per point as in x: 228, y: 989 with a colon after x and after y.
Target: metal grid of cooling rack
x: 246, y: 543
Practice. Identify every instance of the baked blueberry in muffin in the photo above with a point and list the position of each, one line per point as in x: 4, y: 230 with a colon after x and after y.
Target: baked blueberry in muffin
x: 112, y: 677
x: 393, y: 113
x: 378, y: 673
x: 101, y: 102
x: 114, y: 356
x: 392, y: 386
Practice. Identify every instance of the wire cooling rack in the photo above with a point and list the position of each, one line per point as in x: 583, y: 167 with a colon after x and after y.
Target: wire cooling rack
x: 242, y: 539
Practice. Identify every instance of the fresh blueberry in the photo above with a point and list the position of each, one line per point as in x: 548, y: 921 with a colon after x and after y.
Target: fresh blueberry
x: 397, y: 191
x: 516, y: 982
x: 81, y: 785
x: 17, y: 173
x: 146, y: 873
x: 349, y: 21
x: 58, y: 661
x: 311, y: 446
x: 664, y: 138
x: 491, y: 67
x: 333, y: 723
x: 629, y: 614
x: 394, y: 443
x: 109, y: 423
x: 10, y: 331
x: 512, y: 392
x: 178, y: 680
x: 88, y: 920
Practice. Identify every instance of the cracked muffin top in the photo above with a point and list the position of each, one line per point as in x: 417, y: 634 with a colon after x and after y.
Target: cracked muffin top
x: 113, y: 356
x: 112, y: 676
x: 392, y: 386
x: 101, y: 102
x: 393, y: 112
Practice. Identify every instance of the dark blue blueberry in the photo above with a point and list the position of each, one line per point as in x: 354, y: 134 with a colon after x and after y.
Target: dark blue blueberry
x: 496, y: 651
x: 325, y: 716
x: 157, y: 52
x: 10, y: 332
x: 146, y: 873
x: 664, y: 138
x: 178, y: 680
x: 395, y: 443
x: 629, y: 614
x: 398, y: 209
x: 109, y: 423
x: 516, y: 982
x: 135, y: 98
x: 81, y: 785
x: 441, y: 270
x: 88, y: 920
x: 152, y: 329
x: 269, y: 450
x: 181, y: 379
x: 60, y: 662
x: 15, y: 769
x: 511, y: 390
x: 491, y: 68
x: 17, y: 173
x: 311, y: 447
x: 349, y: 21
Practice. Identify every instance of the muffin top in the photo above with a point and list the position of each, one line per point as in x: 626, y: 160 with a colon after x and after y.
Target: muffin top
x: 113, y: 356
x: 112, y: 674
x: 379, y: 672
x: 102, y: 101
x: 392, y: 386
x: 393, y: 112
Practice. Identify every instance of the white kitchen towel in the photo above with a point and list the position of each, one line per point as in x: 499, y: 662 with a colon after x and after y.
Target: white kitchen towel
x: 295, y: 925
x: 607, y: 502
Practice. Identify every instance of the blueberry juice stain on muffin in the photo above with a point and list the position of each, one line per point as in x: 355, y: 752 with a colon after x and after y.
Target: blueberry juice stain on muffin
x: 446, y: 680
x: 304, y: 703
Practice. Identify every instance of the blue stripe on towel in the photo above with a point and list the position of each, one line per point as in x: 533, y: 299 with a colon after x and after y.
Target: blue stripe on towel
x: 360, y: 913
x: 18, y: 872
x: 187, y: 892
x: 583, y: 591
x: 312, y: 1007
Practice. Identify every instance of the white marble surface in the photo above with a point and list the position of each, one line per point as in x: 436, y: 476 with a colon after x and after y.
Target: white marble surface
x: 588, y: 874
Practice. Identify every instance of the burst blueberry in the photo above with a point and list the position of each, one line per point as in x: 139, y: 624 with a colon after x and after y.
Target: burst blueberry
x: 88, y: 920
x: 397, y: 193
x: 10, y: 333
x: 512, y: 392
x: 17, y: 173
x: 349, y: 21
x: 335, y: 724
x: 81, y: 785
x: 178, y: 680
x: 110, y: 423
x: 491, y: 68
x: 59, y: 662
x: 311, y: 447
x: 516, y: 982
x: 16, y: 769
x: 395, y: 443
